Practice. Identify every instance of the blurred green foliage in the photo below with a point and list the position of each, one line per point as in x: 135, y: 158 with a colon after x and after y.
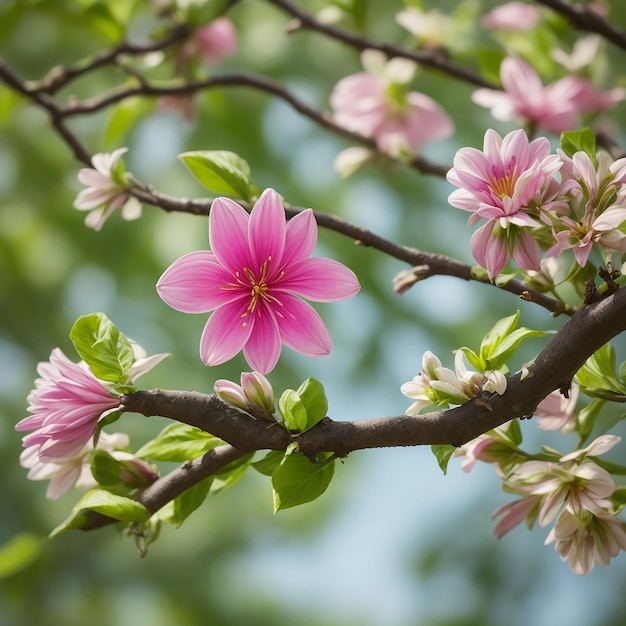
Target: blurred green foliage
x: 54, y: 269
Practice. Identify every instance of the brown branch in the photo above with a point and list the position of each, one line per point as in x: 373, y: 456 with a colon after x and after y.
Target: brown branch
x: 241, y: 80
x: 60, y: 76
x: 553, y: 368
x: 585, y: 18
x: 430, y: 59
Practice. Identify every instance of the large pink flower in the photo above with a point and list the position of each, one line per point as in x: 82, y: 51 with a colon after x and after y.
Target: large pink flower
x: 555, y: 107
x: 250, y: 279
x: 66, y: 404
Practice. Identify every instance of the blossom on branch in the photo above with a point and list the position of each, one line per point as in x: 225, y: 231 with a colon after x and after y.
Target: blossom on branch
x: 106, y: 190
x: 66, y: 404
x: 597, y: 206
x: 555, y: 107
x: 439, y: 385
x: 211, y: 43
x: 585, y: 540
x: 255, y: 395
x: 512, y: 16
x: 507, y: 184
x: 557, y: 411
x: 257, y: 266
x: 376, y: 103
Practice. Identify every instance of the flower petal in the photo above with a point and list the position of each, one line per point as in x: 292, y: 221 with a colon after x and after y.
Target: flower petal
x: 263, y: 347
x: 321, y: 280
x: 300, y: 237
x: 225, y: 334
x: 197, y: 283
x: 302, y: 329
x: 267, y: 228
x: 228, y: 234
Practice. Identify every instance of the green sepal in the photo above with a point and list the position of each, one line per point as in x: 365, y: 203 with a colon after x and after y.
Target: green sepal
x: 178, y: 443
x: 297, y: 480
x: 220, y: 171
x: 106, y: 503
x: 106, y: 351
x: 443, y: 454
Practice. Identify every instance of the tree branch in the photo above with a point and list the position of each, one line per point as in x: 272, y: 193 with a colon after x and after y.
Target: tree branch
x: 432, y: 60
x: 585, y: 18
x: 553, y: 368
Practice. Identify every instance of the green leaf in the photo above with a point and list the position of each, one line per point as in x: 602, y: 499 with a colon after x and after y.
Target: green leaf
x: 101, y: 501
x: 509, y: 344
x: 293, y: 411
x: 443, y: 454
x: 297, y: 480
x: 231, y: 473
x: 125, y: 116
x: 514, y: 433
x: 18, y: 553
x: 586, y: 419
x: 597, y: 375
x: 497, y: 333
x: 106, y: 469
x: 584, y: 140
x: 178, y: 443
x: 220, y: 171
x: 188, y: 501
x: 269, y: 462
x: 107, y: 352
x: 313, y: 396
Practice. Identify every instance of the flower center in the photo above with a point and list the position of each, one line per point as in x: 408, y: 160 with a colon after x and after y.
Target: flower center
x: 503, y: 183
x: 259, y: 288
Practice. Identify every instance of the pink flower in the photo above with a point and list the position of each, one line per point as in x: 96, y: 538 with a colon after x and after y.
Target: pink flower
x: 75, y: 470
x: 66, y: 404
x: 375, y: 104
x: 512, y: 16
x: 250, y: 280
x: 255, y: 395
x: 597, y: 207
x: 556, y: 411
x: 216, y: 40
x: 555, y: 107
x: 515, y: 512
x: 585, y: 540
x: 504, y: 184
x: 106, y: 191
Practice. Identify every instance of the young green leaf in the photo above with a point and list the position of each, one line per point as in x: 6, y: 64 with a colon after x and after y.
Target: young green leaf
x: 231, y: 473
x: 597, y: 376
x: 103, y: 347
x: 178, y: 443
x: 443, y: 454
x: 297, y: 480
x: 188, y: 501
x: 269, y: 462
x: 313, y: 396
x: 101, y: 501
x: 584, y: 140
x: 293, y: 411
x: 220, y: 171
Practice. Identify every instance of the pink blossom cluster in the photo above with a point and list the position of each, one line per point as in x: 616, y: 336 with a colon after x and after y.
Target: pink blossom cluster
x: 572, y: 489
x: 534, y: 200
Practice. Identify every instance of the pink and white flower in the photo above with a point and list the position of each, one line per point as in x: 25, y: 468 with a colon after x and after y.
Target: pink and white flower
x: 255, y: 394
x: 67, y: 472
x: 66, y: 404
x: 555, y: 107
x: 597, y: 207
x: 505, y: 184
x: 106, y: 190
x: 587, y: 539
x: 376, y: 103
x: 512, y: 16
x: 432, y: 29
x: 211, y: 43
x: 257, y: 266
x: 556, y: 411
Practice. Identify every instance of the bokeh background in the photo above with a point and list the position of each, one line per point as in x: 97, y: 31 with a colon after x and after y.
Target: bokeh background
x: 393, y: 542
